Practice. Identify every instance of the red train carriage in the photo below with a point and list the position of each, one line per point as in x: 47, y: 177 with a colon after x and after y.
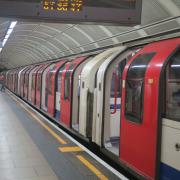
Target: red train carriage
x: 141, y: 115
x: 67, y: 89
x: 50, y: 86
x: 39, y: 85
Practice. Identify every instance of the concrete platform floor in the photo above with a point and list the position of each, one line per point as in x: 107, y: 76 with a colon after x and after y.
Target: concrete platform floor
x: 32, y: 149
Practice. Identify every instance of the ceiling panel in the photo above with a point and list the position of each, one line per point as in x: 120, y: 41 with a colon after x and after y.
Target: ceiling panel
x: 36, y: 42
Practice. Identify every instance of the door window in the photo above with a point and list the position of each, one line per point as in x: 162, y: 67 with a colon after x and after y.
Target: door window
x: 67, y: 82
x: 50, y: 87
x: 59, y: 83
x: 135, y: 87
x: 38, y: 82
x: 33, y: 82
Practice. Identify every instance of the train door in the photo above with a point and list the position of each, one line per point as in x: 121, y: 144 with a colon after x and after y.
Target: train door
x: 23, y: 81
x: 68, y: 89
x: 33, y: 88
x: 76, y: 103
x: 76, y: 94
x: 19, y: 83
x: 170, y: 146
x: 16, y: 81
x: 26, y: 83
x: 51, y: 89
x: 136, y: 131
x: 112, y: 108
x: 38, y: 90
x: 48, y: 88
x: 58, y: 94
x: 39, y: 85
x: 31, y: 83
x: 66, y: 95
x: 34, y: 84
x: 44, y: 88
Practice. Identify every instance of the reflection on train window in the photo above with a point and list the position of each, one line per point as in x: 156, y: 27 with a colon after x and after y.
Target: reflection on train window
x: 66, y: 87
x: 135, y: 87
x: 39, y: 82
x: 173, y: 88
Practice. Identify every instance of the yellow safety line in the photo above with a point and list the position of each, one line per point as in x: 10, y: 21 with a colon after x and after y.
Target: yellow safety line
x: 92, y: 168
x: 48, y: 129
x: 66, y: 149
x: 59, y: 139
x: 70, y: 149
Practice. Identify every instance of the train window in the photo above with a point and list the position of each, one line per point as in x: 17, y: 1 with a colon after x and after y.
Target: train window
x: 26, y: 80
x: 83, y: 84
x: 67, y: 82
x: 66, y: 87
x: 135, y: 87
x: 172, y: 106
x: 33, y: 83
x: 59, y: 78
x: 39, y: 82
x: 50, y: 88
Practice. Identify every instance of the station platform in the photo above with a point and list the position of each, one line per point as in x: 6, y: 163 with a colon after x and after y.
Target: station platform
x: 31, y: 148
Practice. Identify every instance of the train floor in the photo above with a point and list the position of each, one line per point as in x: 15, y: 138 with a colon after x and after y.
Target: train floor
x: 33, y: 149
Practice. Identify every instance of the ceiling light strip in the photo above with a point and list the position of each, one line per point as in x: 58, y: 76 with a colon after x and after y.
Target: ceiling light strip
x: 9, y: 31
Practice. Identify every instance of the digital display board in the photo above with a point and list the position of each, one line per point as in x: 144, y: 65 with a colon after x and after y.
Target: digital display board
x: 63, y: 5
x: 113, y: 12
x: 78, y: 5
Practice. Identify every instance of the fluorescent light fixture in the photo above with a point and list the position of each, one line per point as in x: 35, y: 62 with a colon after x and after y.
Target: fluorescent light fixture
x: 7, y: 36
x: 13, y: 24
x: 175, y: 65
x: 4, y: 42
x: 139, y: 66
x: 9, y: 31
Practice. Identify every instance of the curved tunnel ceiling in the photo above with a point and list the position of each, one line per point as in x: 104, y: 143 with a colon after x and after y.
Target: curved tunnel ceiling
x: 33, y: 42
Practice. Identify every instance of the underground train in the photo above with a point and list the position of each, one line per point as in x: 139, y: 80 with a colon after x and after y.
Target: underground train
x: 124, y: 100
